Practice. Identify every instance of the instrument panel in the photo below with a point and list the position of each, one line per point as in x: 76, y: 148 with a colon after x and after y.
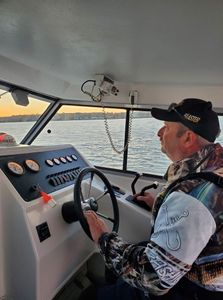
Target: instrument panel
x: 46, y: 171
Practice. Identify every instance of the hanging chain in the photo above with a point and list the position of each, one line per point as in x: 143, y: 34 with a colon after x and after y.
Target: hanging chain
x: 98, y: 98
x: 108, y: 132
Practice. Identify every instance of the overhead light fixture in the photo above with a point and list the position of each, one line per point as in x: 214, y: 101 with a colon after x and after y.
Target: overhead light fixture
x: 20, y: 97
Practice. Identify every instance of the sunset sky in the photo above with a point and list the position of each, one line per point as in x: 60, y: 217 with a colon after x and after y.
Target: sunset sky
x: 9, y: 108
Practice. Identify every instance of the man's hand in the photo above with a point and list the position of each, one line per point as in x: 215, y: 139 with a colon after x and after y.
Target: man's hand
x: 147, y: 198
x: 96, y: 225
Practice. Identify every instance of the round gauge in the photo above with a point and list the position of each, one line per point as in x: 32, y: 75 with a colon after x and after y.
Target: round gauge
x: 56, y: 161
x: 63, y: 159
x: 32, y: 165
x: 74, y: 157
x: 49, y: 162
x: 68, y: 158
x: 15, y: 168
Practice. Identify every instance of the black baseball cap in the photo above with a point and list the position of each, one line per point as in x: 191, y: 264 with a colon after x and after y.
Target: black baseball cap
x: 195, y: 114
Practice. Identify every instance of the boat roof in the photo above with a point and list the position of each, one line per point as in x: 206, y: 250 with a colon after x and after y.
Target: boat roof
x: 166, y: 50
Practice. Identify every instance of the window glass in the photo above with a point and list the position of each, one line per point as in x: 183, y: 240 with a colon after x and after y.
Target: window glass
x: 144, y: 150
x: 84, y: 128
x: 17, y: 120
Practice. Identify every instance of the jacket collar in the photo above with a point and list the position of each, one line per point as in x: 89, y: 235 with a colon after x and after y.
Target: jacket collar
x: 208, y: 158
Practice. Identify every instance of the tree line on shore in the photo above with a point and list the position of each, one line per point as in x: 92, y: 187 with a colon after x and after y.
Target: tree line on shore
x: 72, y: 116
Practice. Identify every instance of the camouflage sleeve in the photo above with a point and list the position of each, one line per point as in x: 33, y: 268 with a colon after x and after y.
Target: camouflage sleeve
x: 179, y: 236
x: 131, y: 262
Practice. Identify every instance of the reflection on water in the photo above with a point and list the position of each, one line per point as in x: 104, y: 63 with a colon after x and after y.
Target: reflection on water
x: 89, y: 137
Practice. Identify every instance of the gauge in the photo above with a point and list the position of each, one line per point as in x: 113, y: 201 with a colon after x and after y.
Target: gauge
x: 74, y: 157
x: 63, y: 159
x: 68, y: 158
x: 15, y: 168
x: 49, y: 162
x: 56, y: 161
x: 32, y: 165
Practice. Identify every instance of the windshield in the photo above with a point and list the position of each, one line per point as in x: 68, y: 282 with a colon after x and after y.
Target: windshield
x: 85, y: 128
x: 17, y: 120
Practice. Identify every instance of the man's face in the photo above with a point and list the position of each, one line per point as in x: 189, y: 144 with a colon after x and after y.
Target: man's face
x: 171, y: 140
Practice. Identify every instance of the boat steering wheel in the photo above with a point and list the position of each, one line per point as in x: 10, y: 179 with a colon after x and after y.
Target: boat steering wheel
x: 74, y: 210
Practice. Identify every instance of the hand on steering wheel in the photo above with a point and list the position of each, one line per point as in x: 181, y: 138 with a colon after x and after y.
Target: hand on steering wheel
x: 90, y: 201
x: 96, y: 225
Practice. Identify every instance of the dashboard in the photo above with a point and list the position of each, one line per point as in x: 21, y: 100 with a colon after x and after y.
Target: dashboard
x: 40, y: 251
x: 47, y: 171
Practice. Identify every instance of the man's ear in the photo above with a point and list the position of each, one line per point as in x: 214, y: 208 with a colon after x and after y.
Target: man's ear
x: 190, y: 138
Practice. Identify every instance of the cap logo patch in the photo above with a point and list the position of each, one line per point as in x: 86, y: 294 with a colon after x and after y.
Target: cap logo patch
x: 192, y: 118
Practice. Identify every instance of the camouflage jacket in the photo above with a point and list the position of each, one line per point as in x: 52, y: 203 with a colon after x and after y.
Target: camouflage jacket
x: 187, y: 236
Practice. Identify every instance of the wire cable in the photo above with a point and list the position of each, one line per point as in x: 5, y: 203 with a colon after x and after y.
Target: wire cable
x: 4, y: 93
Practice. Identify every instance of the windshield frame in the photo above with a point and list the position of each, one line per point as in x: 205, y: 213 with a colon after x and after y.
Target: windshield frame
x: 57, y: 103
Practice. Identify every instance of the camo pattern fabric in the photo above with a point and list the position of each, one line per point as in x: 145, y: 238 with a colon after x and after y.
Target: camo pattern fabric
x: 212, y: 156
x: 154, y: 266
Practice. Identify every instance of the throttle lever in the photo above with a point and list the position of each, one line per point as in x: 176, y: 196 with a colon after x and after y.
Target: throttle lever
x: 134, y: 182
x: 131, y: 198
x: 154, y: 185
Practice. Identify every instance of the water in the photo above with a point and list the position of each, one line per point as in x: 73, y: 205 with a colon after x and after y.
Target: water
x: 89, y: 137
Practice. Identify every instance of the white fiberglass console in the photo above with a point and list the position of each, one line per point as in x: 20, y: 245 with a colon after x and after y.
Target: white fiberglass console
x: 39, y: 251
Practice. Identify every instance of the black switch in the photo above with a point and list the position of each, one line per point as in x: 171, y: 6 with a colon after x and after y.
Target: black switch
x: 53, y: 181
x: 43, y: 231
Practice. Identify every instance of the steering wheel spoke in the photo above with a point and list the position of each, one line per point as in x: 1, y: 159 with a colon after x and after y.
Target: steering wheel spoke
x: 101, y: 196
x: 105, y: 217
x: 82, y: 203
x: 90, y: 185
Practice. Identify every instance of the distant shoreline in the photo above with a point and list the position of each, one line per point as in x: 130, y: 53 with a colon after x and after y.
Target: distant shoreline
x: 73, y: 116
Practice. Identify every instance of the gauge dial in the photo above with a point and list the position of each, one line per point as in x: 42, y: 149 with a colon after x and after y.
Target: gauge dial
x: 63, y: 159
x: 56, y: 161
x: 15, y: 168
x: 68, y: 158
x: 49, y: 162
x: 32, y: 165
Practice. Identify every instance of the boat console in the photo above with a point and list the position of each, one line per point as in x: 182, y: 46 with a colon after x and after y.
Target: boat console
x: 39, y: 250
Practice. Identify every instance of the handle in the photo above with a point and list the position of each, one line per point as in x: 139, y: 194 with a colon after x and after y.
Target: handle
x: 154, y: 185
x: 134, y: 182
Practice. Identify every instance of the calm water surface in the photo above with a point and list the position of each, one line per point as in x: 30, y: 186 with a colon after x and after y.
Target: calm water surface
x: 89, y: 137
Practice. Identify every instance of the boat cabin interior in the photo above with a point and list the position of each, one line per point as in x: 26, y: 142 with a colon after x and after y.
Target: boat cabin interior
x: 77, y: 82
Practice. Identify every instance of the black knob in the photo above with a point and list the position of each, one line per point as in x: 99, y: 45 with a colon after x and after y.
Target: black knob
x: 68, y: 212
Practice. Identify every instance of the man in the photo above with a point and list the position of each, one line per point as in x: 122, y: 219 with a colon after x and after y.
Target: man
x: 183, y: 259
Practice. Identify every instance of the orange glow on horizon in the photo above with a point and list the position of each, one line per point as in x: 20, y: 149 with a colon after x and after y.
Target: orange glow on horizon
x: 9, y: 108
